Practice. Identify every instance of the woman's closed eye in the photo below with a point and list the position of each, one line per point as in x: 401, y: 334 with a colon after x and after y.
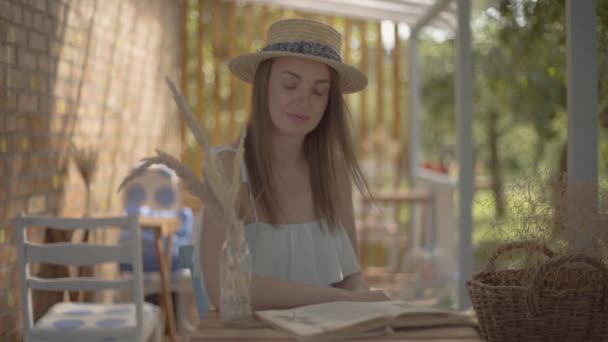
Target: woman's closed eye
x: 321, y: 89
x: 290, y: 82
x: 290, y: 85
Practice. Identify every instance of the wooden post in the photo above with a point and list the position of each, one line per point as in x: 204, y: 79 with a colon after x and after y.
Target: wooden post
x: 347, y: 38
x: 397, y: 106
x: 248, y: 38
x: 363, y: 243
x: 217, y: 129
x: 264, y: 22
x: 331, y: 20
x: 280, y: 12
x: 396, y: 85
x: 379, y: 77
x: 231, y: 53
x: 200, y: 83
x: 363, y: 98
x: 184, y: 76
x: 346, y: 50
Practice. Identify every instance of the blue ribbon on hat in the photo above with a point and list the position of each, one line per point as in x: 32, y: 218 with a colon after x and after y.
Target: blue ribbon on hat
x: 305, y: 47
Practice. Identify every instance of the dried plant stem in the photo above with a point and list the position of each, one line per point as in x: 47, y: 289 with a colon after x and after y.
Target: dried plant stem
x: 217, y: 190
x: 546, y: 211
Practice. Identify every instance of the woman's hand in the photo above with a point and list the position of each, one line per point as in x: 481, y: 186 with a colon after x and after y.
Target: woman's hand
x: 353, y: 282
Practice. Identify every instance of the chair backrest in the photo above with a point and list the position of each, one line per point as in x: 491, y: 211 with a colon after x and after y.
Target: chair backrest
x: 76, y: 254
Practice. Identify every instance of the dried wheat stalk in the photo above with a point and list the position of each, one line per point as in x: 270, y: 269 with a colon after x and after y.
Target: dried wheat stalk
x: 570, y: 221
x: 195, y: 186
x: 86, y: 162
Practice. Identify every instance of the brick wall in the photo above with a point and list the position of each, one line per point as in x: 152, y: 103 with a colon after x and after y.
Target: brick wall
x: 88, y: 72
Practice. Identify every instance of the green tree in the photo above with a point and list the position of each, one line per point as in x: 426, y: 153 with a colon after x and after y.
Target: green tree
x: 520, y: 89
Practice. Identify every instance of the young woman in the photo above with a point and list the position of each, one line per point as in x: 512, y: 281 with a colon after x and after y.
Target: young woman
x: 299, y: 165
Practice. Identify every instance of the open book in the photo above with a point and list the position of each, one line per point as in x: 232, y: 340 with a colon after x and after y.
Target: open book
x: 337, y: 320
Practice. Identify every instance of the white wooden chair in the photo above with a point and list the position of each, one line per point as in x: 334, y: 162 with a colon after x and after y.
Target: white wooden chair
x: 74, y: 321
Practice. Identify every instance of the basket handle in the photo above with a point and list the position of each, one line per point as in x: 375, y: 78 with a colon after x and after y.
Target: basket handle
x: 530, y: 245
x: 532, y: 297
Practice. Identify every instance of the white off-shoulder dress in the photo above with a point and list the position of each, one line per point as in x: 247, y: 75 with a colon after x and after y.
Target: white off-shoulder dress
x: 307, y: 253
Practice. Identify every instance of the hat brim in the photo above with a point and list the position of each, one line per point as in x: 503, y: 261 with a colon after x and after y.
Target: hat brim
x: 245, y: 66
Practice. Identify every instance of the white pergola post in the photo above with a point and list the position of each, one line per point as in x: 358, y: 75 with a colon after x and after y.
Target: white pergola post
x: 581, y: 40
x: 464, y: 106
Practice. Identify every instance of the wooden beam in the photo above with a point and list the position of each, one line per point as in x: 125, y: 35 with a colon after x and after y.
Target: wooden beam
x: 396, y: 84
x: 217, y: 29
x: 248, y: 38
x: 280, y: 13
x: 264, y: 22
x: 363, y: 98
x: 397, y: 107
x: 347, y: 38
x: 331, y: 20
x: 200, y: 82
x: 184, y: 78
x: 379, y: 77
x: 231, y: 53
x: 346, y: 51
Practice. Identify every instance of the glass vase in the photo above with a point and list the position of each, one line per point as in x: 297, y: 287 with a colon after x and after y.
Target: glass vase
x: 235, y: 275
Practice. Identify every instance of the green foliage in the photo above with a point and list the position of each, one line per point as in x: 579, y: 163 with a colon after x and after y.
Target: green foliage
x: 437, y: 92
x: 519, y: 49
x: 520, y: 74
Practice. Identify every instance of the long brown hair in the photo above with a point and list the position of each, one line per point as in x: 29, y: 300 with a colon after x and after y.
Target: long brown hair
x: 329, y: 147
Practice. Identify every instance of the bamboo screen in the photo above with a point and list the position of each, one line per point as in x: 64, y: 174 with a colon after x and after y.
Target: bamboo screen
x: 216, y: 30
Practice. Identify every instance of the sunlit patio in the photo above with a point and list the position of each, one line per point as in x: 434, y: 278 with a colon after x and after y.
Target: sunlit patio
x: 84, y: 100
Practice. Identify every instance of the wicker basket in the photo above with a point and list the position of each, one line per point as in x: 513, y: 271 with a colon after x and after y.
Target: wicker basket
x: 564, y: 298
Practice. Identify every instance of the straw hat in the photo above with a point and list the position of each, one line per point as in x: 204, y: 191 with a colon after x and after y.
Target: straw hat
x: 305, y: 39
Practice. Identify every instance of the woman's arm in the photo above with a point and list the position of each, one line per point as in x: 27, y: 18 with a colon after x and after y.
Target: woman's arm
x: 346, y: 216
x: 266, y: 293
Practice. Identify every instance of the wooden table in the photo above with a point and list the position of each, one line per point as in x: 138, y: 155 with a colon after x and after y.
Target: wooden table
x: 211, y: 328
x: 164, y: 227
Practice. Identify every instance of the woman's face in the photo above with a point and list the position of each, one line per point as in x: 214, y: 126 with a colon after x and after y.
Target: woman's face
x: 298, y: 91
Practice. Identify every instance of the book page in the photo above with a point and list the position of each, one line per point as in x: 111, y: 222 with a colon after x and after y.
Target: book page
x: 396, y: 308
x: 352, y: 318
x: 408, y: 315
x: 319, y: 318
